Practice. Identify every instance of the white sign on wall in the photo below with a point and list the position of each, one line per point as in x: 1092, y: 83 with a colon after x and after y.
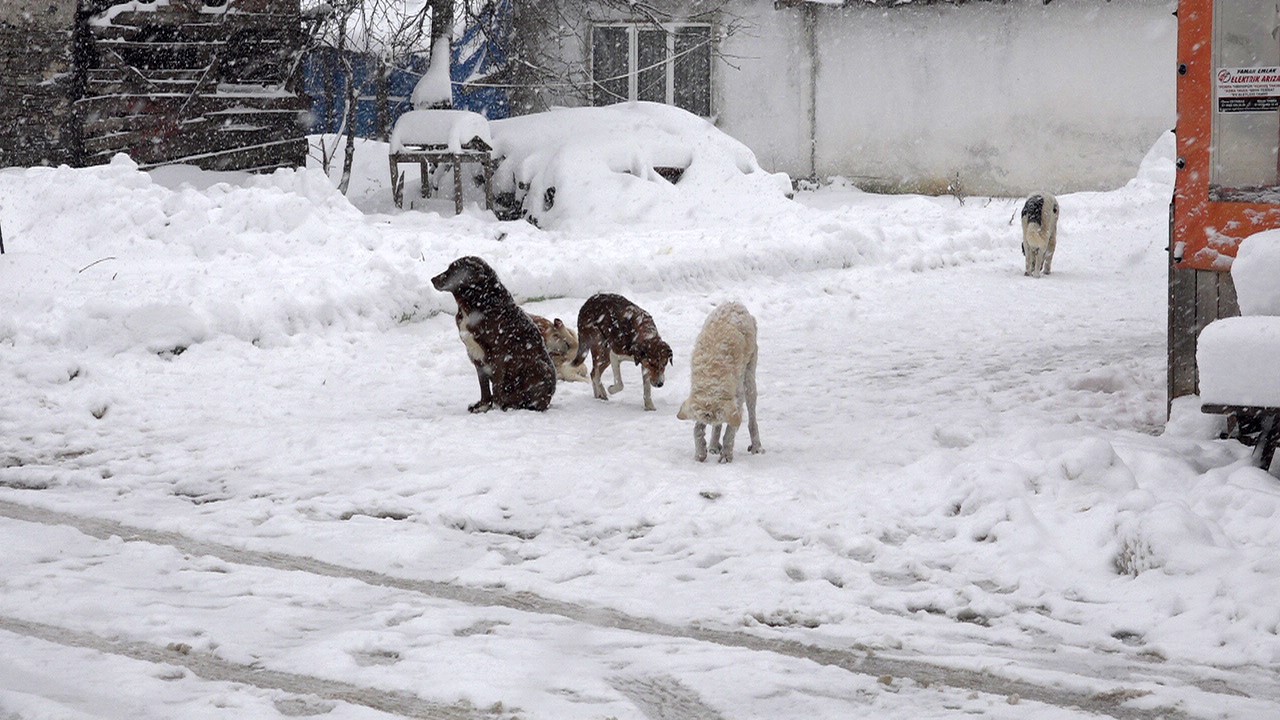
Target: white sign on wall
x: 1255, y: 89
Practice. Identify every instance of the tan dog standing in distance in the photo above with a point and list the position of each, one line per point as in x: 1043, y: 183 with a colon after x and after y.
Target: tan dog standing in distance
x: 722, y: 378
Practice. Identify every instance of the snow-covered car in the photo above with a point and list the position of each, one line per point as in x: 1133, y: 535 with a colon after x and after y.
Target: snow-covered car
x: 635, y: 161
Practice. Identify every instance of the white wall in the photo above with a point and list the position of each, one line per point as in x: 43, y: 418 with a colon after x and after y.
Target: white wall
x: 763, y: 98
x: 1011, y: 97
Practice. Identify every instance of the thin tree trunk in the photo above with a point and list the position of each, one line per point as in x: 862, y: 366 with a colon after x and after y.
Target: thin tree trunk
x: 348, y: 158
x: 384, y: 100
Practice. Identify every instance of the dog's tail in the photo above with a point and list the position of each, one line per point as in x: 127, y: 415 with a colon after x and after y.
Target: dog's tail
x: 584, y: 345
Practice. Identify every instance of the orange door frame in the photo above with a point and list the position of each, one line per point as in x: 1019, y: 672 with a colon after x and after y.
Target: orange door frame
x: 1205, y: 232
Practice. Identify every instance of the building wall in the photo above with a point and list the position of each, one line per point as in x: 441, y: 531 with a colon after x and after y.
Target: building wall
x: 1008, y: 97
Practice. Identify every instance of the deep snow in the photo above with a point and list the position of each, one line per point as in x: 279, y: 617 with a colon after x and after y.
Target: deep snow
x: 965, y: 467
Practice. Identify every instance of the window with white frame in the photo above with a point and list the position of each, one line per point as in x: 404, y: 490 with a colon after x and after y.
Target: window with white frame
x: 668, y: 64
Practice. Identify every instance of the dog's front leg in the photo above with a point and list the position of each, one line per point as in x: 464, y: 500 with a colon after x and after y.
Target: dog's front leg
x: 715, y: 439
x: 726, y: 446
x: 648, y: 392
x: 486, y: 396
x: 699, y: 441
x: 616, y: 364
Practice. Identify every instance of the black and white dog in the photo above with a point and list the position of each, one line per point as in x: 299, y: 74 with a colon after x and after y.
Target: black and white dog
x: 1039, y: 232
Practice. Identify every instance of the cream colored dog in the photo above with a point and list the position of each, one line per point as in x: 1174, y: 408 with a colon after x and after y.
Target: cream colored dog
x: 722, y: 378
x: 562, y: 345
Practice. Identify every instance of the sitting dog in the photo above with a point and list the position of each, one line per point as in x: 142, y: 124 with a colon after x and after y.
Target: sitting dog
x: 1039, y: 232
x: 722, y: 378
x: 613, y: 329
x: 501, y: 340
x: 562, y: 346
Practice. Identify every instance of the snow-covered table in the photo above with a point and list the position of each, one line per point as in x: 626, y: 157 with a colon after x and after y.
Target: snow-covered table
x: 1238, y: 358
x: 429, y: 138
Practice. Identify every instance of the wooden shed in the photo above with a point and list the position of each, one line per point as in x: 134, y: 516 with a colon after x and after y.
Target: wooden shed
x: 1228, y: 177
x: 213, y: 83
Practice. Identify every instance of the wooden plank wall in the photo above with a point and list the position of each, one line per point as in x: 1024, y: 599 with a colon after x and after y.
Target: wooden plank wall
x: 214, y: 90
x: 1196, y: 298
x: 35, y: 87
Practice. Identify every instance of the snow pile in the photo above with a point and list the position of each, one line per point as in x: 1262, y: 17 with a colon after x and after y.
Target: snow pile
x: 108, y: 257
x: 589, y: 167
x: 450, y: 128
x: 1256, y: 273
x: 435, y: 90
x: 1236, y: 357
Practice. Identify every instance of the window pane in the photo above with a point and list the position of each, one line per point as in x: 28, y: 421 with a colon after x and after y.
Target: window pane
x: 1246, y: 119
x: 609, y: 55
x: 693, y: 70
x: 651, y: 58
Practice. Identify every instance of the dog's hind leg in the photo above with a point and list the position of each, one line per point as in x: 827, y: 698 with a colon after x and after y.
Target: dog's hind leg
x: 749, y: 385
x: 1048, y: 253
x: 615, y: 363
x: 699, y: 441
x: 599, y: 361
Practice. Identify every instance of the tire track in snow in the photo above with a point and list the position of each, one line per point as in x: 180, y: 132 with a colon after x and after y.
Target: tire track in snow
x: 664, y: 698
x: 1110, y: 703
x: 211, y: 667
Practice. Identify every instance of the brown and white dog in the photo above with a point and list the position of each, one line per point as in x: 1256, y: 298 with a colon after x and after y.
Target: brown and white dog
x: 722, y: 377
x: 614, y: 329
x: 562, y: 346
x: 501, y: 340
x: 1039, y: 233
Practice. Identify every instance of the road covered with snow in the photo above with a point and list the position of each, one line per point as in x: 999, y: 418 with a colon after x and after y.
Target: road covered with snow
x: 238, y: 477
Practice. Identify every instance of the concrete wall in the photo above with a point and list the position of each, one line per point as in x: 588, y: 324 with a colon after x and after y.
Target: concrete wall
x: 1007, y: 97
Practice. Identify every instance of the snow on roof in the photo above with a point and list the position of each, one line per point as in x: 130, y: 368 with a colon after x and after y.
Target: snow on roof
x: 450, y: 128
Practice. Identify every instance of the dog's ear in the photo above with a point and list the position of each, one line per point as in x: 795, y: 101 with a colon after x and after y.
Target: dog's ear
x: 684, y: 413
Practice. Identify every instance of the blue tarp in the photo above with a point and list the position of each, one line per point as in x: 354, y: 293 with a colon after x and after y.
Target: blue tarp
x: 324, y: 81
x: 480, y: 69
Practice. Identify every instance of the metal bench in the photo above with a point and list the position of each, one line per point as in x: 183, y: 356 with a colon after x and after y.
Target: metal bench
x: 428, y: 157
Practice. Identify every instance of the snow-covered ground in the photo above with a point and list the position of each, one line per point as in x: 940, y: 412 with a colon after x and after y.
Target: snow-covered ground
x: 238, y: 478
